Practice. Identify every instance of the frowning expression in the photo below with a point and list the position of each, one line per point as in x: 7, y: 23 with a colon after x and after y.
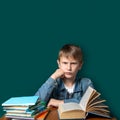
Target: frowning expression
x: 69, y: 65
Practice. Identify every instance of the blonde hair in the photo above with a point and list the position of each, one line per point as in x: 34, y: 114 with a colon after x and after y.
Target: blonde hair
x: 71, y: 50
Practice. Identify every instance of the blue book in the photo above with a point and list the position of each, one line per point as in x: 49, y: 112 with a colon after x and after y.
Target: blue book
x: 21, y: 101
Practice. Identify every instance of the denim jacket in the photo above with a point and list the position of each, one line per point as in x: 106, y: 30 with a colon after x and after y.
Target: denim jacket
x: 56, y: 89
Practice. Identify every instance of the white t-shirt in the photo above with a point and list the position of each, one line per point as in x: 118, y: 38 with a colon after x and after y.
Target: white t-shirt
x: 70, y: 89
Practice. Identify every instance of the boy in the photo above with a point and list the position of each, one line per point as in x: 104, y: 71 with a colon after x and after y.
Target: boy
x: 64, y: 85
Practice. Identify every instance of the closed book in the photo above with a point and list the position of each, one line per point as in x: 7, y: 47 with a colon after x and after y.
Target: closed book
x: 21, y: 101
x: 43, y: 115
x: 15, y: 108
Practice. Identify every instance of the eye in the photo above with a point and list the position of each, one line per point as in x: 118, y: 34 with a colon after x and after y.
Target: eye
x: 74, y: 63
x: 65, y: 63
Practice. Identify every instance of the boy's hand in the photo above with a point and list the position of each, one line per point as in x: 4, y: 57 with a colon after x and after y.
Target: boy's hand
x: 57, y: 74
x: 54, y: 102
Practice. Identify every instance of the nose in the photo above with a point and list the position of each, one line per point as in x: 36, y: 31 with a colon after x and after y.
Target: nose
x: 69, y: 66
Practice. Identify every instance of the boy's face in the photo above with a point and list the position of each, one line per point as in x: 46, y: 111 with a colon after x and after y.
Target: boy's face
x: 70, y: 66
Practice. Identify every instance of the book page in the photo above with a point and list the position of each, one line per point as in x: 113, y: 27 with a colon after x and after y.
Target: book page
x: 96, y: 102
x: 101, y: 113
x: 99, y: 105
x: 99, y: 109
x: 93, y: 98
x: 86, y: 97
x: 69, y: 106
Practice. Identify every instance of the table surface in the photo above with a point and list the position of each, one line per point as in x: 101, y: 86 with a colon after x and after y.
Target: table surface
x: 53, y: 115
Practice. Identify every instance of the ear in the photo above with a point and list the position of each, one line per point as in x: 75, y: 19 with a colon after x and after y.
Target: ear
x: 58, y: 62
x: 80, y: 66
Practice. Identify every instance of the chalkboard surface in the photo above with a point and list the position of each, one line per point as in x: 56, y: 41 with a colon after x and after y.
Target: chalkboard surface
x: 32, y: 32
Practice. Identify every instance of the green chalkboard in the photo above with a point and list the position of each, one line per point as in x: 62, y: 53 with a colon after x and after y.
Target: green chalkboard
x: 32, y: 32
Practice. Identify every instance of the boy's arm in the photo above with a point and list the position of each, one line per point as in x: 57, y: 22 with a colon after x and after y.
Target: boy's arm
x: 44, y: 92
x: 55, y: 102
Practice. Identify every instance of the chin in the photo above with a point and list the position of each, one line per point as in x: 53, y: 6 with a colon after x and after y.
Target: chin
x: 68, y: 76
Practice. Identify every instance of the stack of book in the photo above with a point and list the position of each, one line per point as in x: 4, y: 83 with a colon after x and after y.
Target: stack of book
x: 23, y: 107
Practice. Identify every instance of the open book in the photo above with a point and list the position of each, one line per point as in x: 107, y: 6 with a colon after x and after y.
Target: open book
x: 90, y: 104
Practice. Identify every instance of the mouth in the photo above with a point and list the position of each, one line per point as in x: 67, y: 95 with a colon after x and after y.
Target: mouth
x: 68, y: 73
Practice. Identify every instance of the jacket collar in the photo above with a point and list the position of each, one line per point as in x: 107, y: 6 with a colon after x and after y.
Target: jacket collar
x: 77, y: 85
